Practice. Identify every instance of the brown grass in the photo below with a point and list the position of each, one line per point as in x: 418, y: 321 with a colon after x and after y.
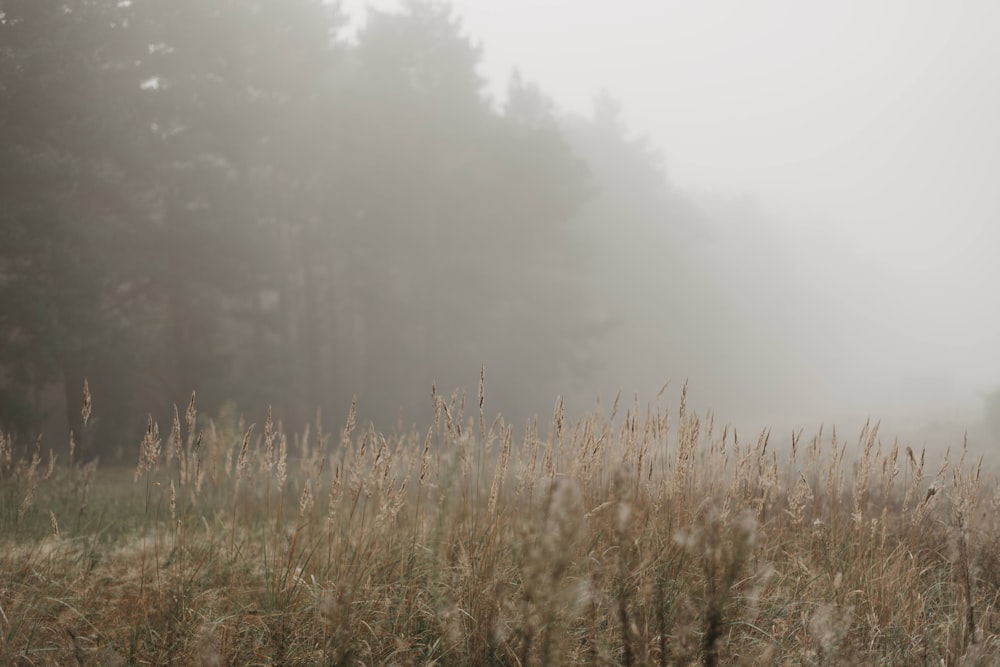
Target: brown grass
x: 639, y: 537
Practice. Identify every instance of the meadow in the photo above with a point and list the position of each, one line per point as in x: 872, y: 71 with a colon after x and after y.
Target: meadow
x: 638, y: 534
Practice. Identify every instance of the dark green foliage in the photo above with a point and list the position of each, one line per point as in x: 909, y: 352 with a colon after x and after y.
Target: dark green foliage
x: 228, y: 196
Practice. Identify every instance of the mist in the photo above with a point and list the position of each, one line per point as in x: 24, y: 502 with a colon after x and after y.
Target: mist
x: 789, y: 209
x: 857, y: 149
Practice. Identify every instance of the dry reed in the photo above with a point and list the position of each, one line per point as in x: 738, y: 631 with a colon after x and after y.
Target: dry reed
x: 636, y: 537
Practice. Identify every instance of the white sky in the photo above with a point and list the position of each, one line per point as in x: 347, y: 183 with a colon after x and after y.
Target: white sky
x: 880, y: 118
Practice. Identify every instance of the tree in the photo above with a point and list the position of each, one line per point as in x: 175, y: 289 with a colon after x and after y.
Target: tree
x: 66, y: 208
x: 456, y: 224
x: 646, y: 237
x: 225, y: 196
x: 230, y: 93
x: 140, y: 156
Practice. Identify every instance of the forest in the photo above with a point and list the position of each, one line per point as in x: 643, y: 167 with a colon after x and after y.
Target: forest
x: 387, y: 346
x: 248, y: 201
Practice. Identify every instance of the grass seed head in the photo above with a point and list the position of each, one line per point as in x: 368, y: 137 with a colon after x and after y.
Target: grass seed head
x: 86, y: 409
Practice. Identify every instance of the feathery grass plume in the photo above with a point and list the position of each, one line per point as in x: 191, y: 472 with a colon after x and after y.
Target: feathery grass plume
x: 338, y: 468
x: 269, y: 434
x: 357, y: 481
x: 551, y: 455
x: 306, y: 501
x: 72, y: 449
x: 500, y: 473
x: 311, y: 458
x: 54, y: 523
x: 528, y: 453
x: 191, y: 416
x: 174, y: 443
x: 890, y: 470
x: 726, y: 562
x: 380, y: 474
x: 916, y: 475
x: 482, y: 401
x: 932, y: 491
x: 333, y: 499
x: 345, y: 435
x: 241, y: 460
x: 867, y: 440
x: 52, y: 464
x: 149, y: 449
x: 281, y: 466
x: 688, y: 427
x: 192, y: 445
x: 965, y: 494
x: 800, y: 497
x: 149, y: 456
x: 86, y: 409
x: 31, y: 480
x: 395, y: 490
x: 241, y: 464
x: 173, y: 503
x: 425, y: 459
x: 198, y: 474
x: 450, y: 425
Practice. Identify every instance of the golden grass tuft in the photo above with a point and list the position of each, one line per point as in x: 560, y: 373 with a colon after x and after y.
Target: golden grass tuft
x: 639, y: 537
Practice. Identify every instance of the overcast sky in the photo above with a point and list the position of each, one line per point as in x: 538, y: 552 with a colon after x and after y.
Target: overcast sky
x: 877, y: 119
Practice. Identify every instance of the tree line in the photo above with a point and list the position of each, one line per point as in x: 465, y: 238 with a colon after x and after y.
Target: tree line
x: 243, y: 199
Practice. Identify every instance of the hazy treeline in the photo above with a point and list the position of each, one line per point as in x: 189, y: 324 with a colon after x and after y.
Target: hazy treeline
x: 240, y: 198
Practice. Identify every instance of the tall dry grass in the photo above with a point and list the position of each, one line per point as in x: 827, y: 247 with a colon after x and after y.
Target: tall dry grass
x: 634, y: 536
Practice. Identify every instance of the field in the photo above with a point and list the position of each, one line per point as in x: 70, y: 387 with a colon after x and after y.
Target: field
x: 635, y: 535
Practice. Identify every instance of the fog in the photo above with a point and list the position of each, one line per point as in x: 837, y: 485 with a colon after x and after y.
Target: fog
x: 864, y: 135
x: 790, y: 207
